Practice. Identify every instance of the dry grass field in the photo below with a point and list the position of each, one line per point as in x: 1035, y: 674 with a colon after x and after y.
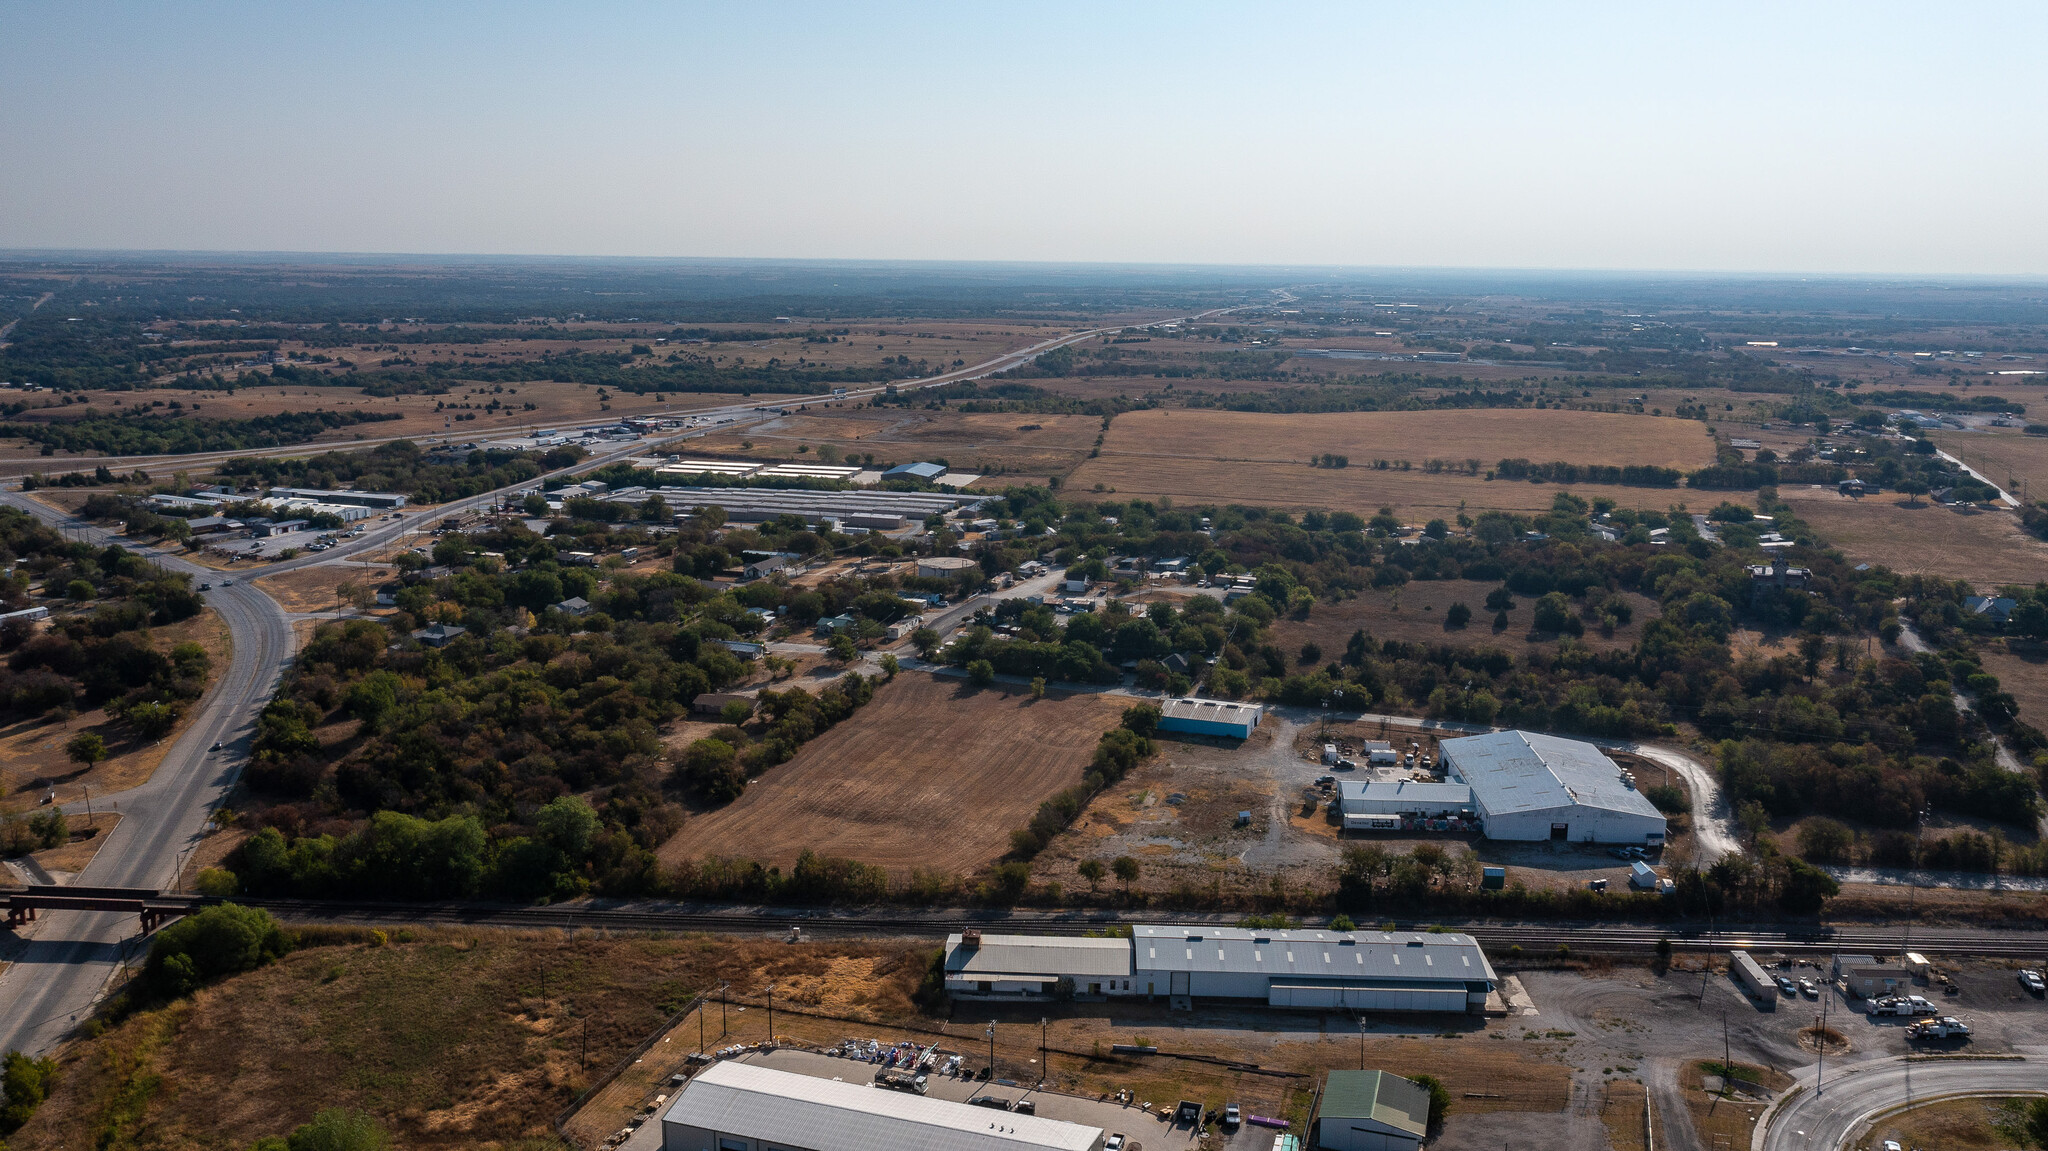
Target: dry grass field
x: 2022, y: 670
x: 2007, y: 456
x: 1239, y: 457
x: 927, y: 753
x: 316, y: 588
x: 1952, y: 1125
x: 1986, y: 548
x: 449, y: 1038
x: 1026, y: 443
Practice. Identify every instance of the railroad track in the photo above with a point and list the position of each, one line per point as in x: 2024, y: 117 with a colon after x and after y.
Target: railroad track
x: 1533, y: 939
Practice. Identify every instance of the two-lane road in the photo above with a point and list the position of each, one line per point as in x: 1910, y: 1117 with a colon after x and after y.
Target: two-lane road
x: 1824, y: 1119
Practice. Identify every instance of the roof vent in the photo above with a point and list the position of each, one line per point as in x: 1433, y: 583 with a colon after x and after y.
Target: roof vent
x: 970, y: 939
x: 1347, y: 943
x: 1415, y: 942
x: 1194, y: 939
x: 1262, y: 939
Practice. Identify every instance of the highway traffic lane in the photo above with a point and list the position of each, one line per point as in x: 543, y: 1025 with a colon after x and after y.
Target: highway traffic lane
x: 1823, y: 1117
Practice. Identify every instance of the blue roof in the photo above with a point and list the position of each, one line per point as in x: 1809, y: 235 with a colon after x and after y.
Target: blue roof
x: 922, y: 471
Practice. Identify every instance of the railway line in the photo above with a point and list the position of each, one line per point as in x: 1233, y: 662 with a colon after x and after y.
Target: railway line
x: 1533, y: 938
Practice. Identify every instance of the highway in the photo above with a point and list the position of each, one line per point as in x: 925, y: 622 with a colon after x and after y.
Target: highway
x: 1806, y: 1119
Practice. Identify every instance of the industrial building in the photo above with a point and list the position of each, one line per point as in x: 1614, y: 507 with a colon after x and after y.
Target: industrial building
x: 1528, y: 787
x: 917, y: 471
x: 1754, y: 979
x: 1357, y: 971
x: 1370, y: 1111
x: 1360, y: 971
x: 944, y: 567
x: 999, y: 966
x: 809, y: 471
x: 683, y: 469
x: 1210, y: 717
x: 1368, y: 806
x: 744, y: 1107
x: 754, y: 505
x: 385, y: 500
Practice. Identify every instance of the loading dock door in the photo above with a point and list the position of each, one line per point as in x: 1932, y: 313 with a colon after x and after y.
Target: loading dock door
x: 1560, y: 831
x: 1180, y: 983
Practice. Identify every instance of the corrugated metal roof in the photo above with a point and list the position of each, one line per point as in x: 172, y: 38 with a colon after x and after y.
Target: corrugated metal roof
x: 1039, y: 955
x: 792, y: 1110
x: 1214, y: 710
x: 1404, y: 795
x: 1319, y: 955
x: 1512, y: 771
x: 1377, y: 1095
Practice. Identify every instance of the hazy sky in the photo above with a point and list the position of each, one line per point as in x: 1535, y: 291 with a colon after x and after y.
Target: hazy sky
x: 1803, y: 137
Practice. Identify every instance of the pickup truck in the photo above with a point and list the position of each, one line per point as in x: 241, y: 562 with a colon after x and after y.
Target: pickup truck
x: 1903, y: 1005
x: 1946, y: 1027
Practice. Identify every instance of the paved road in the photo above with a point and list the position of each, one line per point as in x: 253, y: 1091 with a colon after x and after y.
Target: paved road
x: 68, y: 956
x: 1823, y: 1120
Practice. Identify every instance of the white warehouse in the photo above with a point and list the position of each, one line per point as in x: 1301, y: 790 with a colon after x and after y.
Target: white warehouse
x: 1528, y: 787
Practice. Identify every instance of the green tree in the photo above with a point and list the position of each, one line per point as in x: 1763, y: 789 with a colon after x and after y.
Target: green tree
x: 221, y: 940
x: 981, y: 673
x: 1825, y: 841
x: 1092, y: 871
x: 1343, y: 923
x: 712, y: 767
x: 24, y: 1083
x: 1458, y: 615
x: 1439, y: 1099
x: 842, y: 648
x: 926, y: 640
x: 890, y: 665
x: 2032, y: 1125
x: 569, y: 825
x: 78, y: 589
x: 1126, y: 870
x: 336, y: 1129
x: 86, y: 748
x: 737, y: 712
x: 1038, y: 687
x: 217, y: 883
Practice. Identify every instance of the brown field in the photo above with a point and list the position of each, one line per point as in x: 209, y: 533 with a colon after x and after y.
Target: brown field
x: 32, y: 759
x: 1488, y: 435
x: 2022, y: 670
x: 1210, y: 456
x: 88, y: 835
x: 1952, y: 1125
x: 314, y: 588
x: 927, y: 753
x: 1415, y: 613
x: 1986, y: 548
x: 2007, y: 456
x: 446, y: 1037
x: 978, y: 442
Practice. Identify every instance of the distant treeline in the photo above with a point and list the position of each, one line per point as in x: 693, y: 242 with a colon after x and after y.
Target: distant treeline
x: 1747, y: 477
x: 1634, y: 475
x: 1939, y: 401
x: 400, y: 466
x: 141, y: 435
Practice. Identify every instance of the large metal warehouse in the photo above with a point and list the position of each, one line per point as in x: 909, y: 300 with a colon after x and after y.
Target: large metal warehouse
x: 1210, y: 717
x: 1361, y: 970
x: 1529, y: 787
x: 743, y: 1107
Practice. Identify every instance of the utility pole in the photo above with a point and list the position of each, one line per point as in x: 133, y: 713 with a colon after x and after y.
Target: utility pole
x: 1044, y: 1052
x: 1361, y: 1042
x: 771, y: 1013
x: 991, y: 1050
x: 722, y: 1030
x: 1820, y: 1041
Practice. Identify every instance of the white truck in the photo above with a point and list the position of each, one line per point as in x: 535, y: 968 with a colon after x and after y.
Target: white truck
x: 1946, y: 1027
x: 1904, y: 1005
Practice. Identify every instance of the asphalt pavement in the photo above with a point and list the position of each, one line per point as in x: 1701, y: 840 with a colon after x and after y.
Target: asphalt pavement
x: 1821, y: 1115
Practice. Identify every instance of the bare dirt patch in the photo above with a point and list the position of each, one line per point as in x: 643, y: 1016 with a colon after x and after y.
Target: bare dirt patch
x: 926, y: 753
x: 1985, y: 547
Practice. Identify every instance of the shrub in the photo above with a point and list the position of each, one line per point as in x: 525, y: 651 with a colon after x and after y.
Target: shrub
x: 981, y: 673
x: 1668, y: 798
x: 24, y: 1082
x: 219, y: 941
x: 1458, y: 616
x: 1439, y: 1099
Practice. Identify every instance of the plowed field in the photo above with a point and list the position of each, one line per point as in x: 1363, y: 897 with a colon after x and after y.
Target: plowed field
x: 931, y: 774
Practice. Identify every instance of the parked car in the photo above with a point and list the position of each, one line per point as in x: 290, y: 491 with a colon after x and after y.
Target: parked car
x: 1807, y: 989
x: 1786, y: 985
x: 2033, y: 981
x: 989, y: 1101
x: 1114, y: 1143
x: 1230, y: 1115
x: 1025, y: 1107
x: 206, y: 587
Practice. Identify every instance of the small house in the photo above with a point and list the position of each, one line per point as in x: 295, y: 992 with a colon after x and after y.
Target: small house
x: 440, y: 634
x: 1370, y: 1111
x: 574, y: 605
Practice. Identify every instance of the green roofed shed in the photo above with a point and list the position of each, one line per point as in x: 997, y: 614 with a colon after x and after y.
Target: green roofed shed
x: 1371, y: 1111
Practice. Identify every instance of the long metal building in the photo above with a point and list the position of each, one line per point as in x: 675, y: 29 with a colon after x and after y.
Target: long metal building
x: 1529, y: 787
x: 1355, y: 970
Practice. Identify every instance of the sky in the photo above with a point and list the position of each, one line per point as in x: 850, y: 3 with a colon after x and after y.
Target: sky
x: 1863, y: 138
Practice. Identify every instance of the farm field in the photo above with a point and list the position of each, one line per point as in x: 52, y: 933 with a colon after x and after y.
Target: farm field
x: 1416, y: 497
x: 1415, y: 611
x: 926, y: 753
x: 2022, y: 670
x: 1986, y: 548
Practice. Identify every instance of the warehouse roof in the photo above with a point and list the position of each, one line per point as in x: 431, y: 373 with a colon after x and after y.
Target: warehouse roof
x: 1214, y: 710
x: 786, y: 1109
x: 1001, y: 955
x: 1319, y: 955
x: 1379, y: 1096
x: 1406, y: 794
x: 1512, y: 771
x: 922, y: 471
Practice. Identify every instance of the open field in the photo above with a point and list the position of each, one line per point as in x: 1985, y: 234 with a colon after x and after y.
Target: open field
x: 2008, y: 457
x: 1017, y: 442
x: 450, y: 1038
x: 1415, y: 496
x: 2022, y: 670
x: 314, y: 588
x: 926, y: 753
x: 1986, y: 548
x: 1488, y: 435
x: 32, y: 759
x: 1952, y: 1125
x: 1414, y: 612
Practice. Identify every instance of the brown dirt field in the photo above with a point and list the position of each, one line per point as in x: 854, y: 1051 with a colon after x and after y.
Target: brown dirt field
x: 2022, y: 670
x: 1986, y: 548
x: 446, y: 1037
x: 32, y: 750
x: 1952, y: 1125
x: 1622, y: 1113
x: 925, y: 753
x: 1415, y: 611
x: 970, y: 442
x: 1730, y: 1119
x: 1488, y: 435
x: 1414, y: 496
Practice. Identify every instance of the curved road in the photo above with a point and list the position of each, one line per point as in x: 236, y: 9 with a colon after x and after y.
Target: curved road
x: 1806, y: 1120
x: 68, y: 956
